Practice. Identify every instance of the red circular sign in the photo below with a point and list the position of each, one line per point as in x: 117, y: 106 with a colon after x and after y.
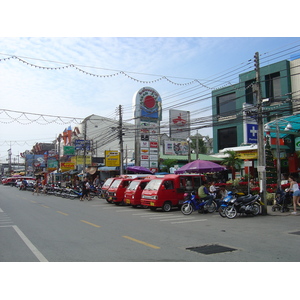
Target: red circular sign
x: 149, y: 102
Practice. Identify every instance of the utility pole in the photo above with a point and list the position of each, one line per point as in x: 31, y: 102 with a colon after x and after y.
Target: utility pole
x: 84, y: 147
x: 9, y: 159
x: 260, y: 138
x: 120, y: 127
x: 197, y: 146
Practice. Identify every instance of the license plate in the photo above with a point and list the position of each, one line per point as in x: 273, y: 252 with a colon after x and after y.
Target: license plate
x: 151, y: 203
x: 127, y: 201
x: 109, y: 198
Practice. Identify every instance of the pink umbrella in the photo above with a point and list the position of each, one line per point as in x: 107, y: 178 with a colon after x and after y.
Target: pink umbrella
x: 200, y: 166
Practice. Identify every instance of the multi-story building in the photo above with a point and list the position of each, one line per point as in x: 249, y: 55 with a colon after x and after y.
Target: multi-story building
x: 235, y: 107
x: 228, y: 103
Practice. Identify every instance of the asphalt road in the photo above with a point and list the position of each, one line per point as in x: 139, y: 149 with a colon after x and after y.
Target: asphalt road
x: 48, y: 228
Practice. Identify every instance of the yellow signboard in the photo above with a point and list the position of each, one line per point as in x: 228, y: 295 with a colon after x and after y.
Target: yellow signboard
x: 79, y: 160
x: 67, y: 166
x: 247, y: 154
x: 112, y: 158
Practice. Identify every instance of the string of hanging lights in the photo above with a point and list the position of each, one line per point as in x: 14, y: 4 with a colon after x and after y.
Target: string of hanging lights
x: 107, y: 75
x: 25, y: 118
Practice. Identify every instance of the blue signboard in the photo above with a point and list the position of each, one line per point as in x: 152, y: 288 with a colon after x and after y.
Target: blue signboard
x: 79, y: 145
x: 252, y: 130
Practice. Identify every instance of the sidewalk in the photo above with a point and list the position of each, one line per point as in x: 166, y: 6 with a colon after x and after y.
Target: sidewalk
x: 278, y: 213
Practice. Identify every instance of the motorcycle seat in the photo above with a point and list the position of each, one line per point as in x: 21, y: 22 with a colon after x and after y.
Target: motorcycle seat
x: 245, y: 199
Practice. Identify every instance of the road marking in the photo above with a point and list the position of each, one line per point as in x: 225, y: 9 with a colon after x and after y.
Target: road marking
x: 33, y: 249
x: 140, y: 242
x: 142, y: 214
x: 45, y: 206
x: 33, y: 201
x: 1, y: 210
x: 109, y: 207
x: 189, y: 221
x: 158, y: 217
x: 164, y: 217
x: 60, y: 212
x: 90, y: 223
x: 174, y: 219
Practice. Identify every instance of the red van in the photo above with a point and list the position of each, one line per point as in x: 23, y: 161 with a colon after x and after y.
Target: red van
x: 169, y: 191
x: 115, y: 192
x: 105, y: 187
x: 132, y: 195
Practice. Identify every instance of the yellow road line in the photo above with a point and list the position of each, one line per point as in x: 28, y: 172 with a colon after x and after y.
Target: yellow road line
x: 33, y: 201
x: 140, y: 242
x: 45, y: 206
x: 60, y: 212
x: 90, y: 223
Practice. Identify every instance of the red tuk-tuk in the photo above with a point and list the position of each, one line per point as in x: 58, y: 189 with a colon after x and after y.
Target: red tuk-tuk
x: 115, y: 193
x: 169, y: 191
x: 132, y: 195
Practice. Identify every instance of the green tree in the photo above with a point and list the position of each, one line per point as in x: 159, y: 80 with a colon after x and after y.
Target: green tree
x: 201, y: 145
x: 168, y: 163
x: 232, y: 161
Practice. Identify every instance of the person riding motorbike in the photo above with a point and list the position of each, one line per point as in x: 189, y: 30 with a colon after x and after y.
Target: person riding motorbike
x: 204, y: 194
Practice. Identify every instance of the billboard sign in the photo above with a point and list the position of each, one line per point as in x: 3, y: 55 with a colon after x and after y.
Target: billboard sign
x: 176, y: 148
x: 112, y: 158
x: 79, y: 145
x: 179, y: 124
x: 147, y: 114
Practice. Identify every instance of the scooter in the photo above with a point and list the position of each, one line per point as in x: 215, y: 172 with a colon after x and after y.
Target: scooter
x: 224, y: 203
x: 243, y: 205
x: 191, y: 204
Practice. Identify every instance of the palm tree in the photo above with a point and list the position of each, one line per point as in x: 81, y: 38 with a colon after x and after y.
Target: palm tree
x: 232, y: 161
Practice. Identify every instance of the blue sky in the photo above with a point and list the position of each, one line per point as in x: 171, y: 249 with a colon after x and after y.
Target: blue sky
x: 68, y: 92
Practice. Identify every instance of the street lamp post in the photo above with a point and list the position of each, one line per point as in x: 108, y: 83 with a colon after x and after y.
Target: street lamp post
x: 189, y: 148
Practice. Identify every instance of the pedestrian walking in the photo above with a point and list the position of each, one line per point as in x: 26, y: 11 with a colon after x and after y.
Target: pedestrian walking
x: 36, y: 187
x: 96, y: 182
x: 85, y: 189
x: 44, y: 186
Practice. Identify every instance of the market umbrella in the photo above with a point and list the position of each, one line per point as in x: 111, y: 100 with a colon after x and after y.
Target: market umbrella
x: 138, y: 169
x: 200, y: 166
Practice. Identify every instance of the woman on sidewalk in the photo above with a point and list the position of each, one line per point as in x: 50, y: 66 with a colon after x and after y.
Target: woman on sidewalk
x: 294, y: 187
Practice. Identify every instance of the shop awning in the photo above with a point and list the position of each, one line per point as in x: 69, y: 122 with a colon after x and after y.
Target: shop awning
x: 91, y: 170
x: 282, y: 123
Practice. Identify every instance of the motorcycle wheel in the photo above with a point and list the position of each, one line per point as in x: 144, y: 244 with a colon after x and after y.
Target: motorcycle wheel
x: 222, y: 212
x: 186, y: 209
x: 211, y: 208
x: 256, y: 209
x: 230, y: 212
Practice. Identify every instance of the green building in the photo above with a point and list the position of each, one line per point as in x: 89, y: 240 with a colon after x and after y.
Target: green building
x: 234, y: 107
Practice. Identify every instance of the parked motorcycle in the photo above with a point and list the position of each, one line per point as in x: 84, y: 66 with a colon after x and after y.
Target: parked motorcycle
x: 224, y: 203
x: 243, y: 205
x: 191, y: 204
